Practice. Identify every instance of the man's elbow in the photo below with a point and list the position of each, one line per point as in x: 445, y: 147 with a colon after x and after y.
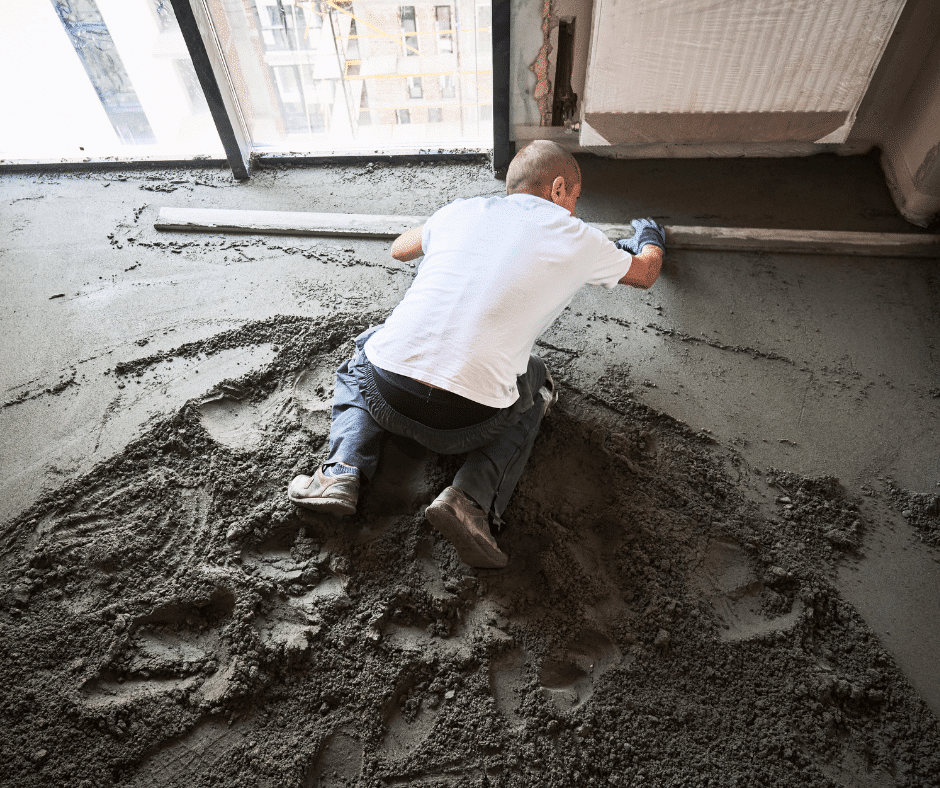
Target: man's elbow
x: 408, y: 246
x: 652, y: 274
x: 405, y: 254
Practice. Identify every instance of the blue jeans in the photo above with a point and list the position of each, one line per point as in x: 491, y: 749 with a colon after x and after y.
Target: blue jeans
x: 497, y: 449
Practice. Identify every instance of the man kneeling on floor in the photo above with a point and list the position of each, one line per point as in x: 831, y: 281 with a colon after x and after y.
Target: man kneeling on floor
x: 452, y: 368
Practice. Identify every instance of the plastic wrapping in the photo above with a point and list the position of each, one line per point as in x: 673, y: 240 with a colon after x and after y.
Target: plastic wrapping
x: 732, y: 70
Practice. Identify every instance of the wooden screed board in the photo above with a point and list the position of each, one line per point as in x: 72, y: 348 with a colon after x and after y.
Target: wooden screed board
x: 743, y: 239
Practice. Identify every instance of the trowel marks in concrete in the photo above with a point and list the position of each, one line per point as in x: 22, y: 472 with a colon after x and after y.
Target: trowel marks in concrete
x: 170, y: 619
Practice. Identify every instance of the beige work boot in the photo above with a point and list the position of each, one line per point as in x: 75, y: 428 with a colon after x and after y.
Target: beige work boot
x: 465, y: 526
x: 328, y: 494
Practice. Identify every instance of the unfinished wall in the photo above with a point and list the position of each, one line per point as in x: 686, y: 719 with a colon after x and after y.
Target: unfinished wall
x: 527, y: 42
x: 888, y: 95
x: 901, y: 111
x: 534, y: 46
x: 911, y: 146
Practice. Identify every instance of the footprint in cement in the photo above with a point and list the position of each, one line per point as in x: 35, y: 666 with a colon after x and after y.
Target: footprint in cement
x: 508, y: 682
x: 338, y: 763
x: 312, y: 392
x: 238, y: 424
x: 311, y: 575
x: 409, y: 719
x: 234, y: 421
x: 727, y: 579
x: 197, y: 754
x: 173, y: 648
x: 568, y: 677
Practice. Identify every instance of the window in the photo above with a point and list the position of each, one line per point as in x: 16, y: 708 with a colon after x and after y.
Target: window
x: 92, y: 41
x: 409, y: 29
x: 365, y: 117
x: 403, y: 116
x: 166, y: 19
x: 445, y: 34
x: 288, y: 85
x: 299, y: 77
x: 352, y: 45
x: 287, y: 28
x: 187, y: 75
x: 305, y: 101
x: 448, y: 86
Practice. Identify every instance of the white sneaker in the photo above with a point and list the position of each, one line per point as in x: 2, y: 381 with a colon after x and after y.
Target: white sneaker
x: 331, y: 494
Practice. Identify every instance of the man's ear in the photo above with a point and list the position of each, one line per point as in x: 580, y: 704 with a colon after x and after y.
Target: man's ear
x: 559, y: 189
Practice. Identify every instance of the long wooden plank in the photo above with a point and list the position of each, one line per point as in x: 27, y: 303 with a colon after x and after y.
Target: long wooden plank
x: 223, y: 220
x: 756, y: 239
x: 806, y: 241
x: 741, y: 239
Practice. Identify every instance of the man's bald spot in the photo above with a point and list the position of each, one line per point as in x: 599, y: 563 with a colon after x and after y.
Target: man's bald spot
x: 535, y: 167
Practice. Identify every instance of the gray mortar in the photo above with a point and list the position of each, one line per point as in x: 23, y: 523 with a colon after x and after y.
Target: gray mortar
x: 169, y: 618
x: 674, y: 612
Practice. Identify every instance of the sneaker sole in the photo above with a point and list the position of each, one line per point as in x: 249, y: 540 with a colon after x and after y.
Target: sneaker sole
x: 446, y: 522
x: 327, y: 505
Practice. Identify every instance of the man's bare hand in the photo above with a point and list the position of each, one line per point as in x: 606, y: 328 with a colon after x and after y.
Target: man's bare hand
x: 407, y: 246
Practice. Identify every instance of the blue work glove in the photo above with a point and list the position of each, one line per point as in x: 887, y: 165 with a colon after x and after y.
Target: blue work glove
x: 648, y: 231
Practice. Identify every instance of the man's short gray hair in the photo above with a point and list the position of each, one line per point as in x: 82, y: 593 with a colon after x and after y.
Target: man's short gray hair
x: 535, y: 167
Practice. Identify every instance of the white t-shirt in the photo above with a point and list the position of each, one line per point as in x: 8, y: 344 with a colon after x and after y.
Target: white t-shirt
x: 496, y: 273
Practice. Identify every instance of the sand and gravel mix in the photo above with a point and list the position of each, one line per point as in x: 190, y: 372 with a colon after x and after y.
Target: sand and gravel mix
x: 668, y: 616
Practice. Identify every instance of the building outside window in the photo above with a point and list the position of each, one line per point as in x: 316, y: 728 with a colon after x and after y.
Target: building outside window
x: 445, y: 33
x: 365, y: 116
x: 286, y: 28
x: 448, y: 86
x: 308, y: 76
x: 409, y: 29
x: 189, y: 80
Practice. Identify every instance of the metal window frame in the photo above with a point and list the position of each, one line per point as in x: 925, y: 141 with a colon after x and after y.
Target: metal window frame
x: 503, y: 147
x: 196, y: 27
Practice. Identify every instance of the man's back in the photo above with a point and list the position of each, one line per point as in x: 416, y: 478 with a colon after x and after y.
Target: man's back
x: 497, y: 272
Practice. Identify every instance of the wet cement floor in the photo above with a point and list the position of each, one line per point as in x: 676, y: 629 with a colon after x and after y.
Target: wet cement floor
x: 812, y: 365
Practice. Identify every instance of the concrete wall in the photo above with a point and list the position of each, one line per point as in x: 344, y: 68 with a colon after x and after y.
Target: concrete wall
x: 900, y: 113
x: 911, y: 146
x: 534, y: 41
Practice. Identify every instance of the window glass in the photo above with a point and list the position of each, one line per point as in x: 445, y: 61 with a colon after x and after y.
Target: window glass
x: 445, y: 35
x: 368, y: 75
x: 113, y: 78
x: 409, y: 30
x: 106, y: 78
x: 448, y: 86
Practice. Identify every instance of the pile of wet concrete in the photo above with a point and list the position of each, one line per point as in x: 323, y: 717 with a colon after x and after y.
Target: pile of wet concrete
x: 170, y: 619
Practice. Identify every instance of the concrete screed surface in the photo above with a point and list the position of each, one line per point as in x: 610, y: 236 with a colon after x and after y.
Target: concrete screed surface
x: 723, y: 555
